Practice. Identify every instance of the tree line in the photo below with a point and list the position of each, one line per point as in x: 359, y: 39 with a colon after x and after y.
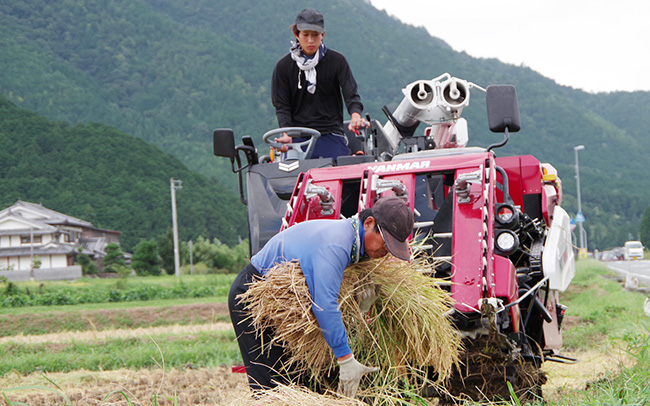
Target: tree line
x: 155, y: 257
x: 102, y: 175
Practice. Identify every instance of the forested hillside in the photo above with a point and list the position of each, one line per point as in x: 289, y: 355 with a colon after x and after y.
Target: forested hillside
x: 99, y: 174
x: 169, y: 72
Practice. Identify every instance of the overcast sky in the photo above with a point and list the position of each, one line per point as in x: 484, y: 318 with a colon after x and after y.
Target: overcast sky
x: 594, y: 45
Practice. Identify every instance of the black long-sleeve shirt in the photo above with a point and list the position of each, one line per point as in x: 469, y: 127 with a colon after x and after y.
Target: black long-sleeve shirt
x: 322, y: 110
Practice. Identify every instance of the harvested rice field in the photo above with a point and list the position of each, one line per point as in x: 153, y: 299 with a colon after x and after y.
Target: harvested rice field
x: 204, y: 386
x: 189, y: 384
x: 219, y: 386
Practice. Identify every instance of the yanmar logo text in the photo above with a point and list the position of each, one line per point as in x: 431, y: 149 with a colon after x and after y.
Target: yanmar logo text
x: 400, y: 166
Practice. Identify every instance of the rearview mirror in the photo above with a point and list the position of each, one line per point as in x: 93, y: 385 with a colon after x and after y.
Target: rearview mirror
x: 224, y: 143
x: 502, y: 108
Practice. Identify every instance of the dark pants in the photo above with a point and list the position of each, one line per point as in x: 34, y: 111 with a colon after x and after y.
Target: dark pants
x: 328, y: 146
x: 262, y: 367
x: 331, y: 146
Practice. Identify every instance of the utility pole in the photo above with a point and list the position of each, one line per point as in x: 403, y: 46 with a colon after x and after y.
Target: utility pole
x: 31, y: 253
x: 579, y: 217
x: 191, y: 247
x: 175, y: 185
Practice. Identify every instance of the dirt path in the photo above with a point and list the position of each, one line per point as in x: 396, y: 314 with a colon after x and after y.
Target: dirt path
x: 592, y: 366
x: 94, y: 335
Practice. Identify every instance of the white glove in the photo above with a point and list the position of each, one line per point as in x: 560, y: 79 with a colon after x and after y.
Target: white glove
x: 366, y: 296
x: 350, y: 373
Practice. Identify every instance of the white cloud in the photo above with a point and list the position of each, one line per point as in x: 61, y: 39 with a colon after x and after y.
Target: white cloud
x: 594, y: 45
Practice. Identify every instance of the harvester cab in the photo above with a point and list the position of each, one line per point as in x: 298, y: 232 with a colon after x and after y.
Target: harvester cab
x: 493, y: 227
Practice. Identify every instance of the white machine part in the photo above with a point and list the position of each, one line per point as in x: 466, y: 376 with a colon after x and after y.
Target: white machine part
x: 449, y: 136
x: 558, y: 258
x: 436, y: 102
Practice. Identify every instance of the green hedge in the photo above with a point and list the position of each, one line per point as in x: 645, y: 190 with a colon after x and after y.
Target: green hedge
x: 79, y: 296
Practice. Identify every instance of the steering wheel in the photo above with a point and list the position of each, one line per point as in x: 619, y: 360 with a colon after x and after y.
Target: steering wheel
x: 297, y: 150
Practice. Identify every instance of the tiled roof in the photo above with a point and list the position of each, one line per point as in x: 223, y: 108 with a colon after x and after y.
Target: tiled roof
x: 44, y: 214
x: 50, y: 249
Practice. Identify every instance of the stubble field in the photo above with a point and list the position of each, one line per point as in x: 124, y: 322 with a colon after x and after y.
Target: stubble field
x: 189, y: 385
x: 182, y: 352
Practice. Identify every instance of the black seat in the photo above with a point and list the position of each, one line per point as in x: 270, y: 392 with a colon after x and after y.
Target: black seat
x: 269, y: 187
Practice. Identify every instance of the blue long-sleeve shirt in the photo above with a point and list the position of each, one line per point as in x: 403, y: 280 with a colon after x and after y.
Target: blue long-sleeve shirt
x: 323, y: 248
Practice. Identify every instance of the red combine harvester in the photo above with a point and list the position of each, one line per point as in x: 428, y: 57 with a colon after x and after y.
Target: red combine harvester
x: 493, y: 226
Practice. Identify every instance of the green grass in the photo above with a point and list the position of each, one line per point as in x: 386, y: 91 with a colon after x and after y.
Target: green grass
x: 631, y: 385
x: 95, y: 290
x: 605, y: 311
x: 206, y: 349
x: 109, y: 306
x: 627, y: 387
x: 609, y: 317
x: 167, y: 281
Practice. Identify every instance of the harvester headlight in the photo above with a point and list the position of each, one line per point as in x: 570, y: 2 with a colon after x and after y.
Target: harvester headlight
x: 506, y: 216
x: 506, y: 242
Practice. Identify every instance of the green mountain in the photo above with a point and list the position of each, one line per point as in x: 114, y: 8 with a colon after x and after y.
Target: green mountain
x: 169, y: 71
x: 102, y: 175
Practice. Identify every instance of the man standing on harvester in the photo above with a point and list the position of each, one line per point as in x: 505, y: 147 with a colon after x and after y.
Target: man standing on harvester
x: 307, y: 85
x: 324, y: 249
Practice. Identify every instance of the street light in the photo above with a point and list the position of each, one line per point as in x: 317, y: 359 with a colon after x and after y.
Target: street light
x: 579, y: 217
x: 175, y: 185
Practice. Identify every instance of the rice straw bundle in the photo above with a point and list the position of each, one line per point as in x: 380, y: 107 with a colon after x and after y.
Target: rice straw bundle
x: 281, y: 301
x: 292, y: 395
x: 405, y: 330
x: 408, y: 325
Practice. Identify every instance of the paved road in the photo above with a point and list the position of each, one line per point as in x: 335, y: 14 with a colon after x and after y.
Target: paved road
x: 632, y: 269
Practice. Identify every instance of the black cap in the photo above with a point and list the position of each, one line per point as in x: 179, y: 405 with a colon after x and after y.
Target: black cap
x: 395, y: 220
x: 310, y: 19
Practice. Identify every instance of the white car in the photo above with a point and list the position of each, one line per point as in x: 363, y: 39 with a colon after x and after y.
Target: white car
x: 633, y: 250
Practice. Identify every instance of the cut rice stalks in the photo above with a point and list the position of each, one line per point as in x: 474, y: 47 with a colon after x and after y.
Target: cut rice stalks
x: 292, y: 395
x: 406, y: 333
